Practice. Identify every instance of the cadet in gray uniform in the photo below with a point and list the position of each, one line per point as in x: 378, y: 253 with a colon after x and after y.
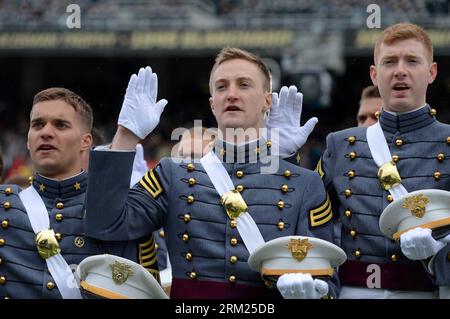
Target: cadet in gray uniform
x: 207, y: 253
x: 419, y: 147
x: 59, y: 132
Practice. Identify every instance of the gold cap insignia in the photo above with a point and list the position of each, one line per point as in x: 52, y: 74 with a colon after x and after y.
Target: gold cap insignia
x: 417, y: 205
x: 233, y: 203
x: 120, y: 272
x: 46, y: 243
x: 389, y: 176
x: 299, y: 248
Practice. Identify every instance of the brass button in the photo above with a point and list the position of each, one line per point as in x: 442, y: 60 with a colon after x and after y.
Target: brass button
x: 189, y: 256
x: 389, y: 198
x: 190, y: 167
x: 358, y: 253
x: 239, y: 174
x: 58, y: 236
x: 232, y: 279
x: 269, y: 144
x: 156, y: 246
x: 433, y: 112
x: 5, y: 224
x: 280, y: 225
x: 60, y: 205
x: 351, y: 174
x: 79, y: 241
x: 352, y: 155
x: 353, y: 233
x: 233, y: 259
x: 441, y: 157
x: 192, y: 181
x: 190, y: 199
x: 30, y: 180
x: 2, y: 280
x: 437, y: 176
x: 352, y: 140
x: 59, y: 217
x: 398, y: 142
x: 8, y: 191
x: 2, y: 242
x: 287, y: 173
x: 1, y: 261
x: 187, y: 218
x: 6, y: 297
x: 193, y: 275
x: 448, y: 140
x: 394, y: 257
x: 50, y: 285
x: 6, y: 205
x: 395, y: 158
x: 377, y: 114
x: 233, y: 223
x: 161, y: 233
x: 185, y: 238
x: 240, y: 188
x: 233, y: 241
x: 348, y: 213
x: 348, y: 192
x: 284, y: 188
x: 280, y: 204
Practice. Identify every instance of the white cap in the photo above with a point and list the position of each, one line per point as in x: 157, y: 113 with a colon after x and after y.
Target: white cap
x: 114, y: 277
x: 426, y: 208
x: 297, y: 254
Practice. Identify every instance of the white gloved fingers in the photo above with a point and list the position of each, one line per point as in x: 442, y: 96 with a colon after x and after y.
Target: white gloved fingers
x: 321, y: 287
x: 160, y: 105
x: 147, y: 89
x: 298, y: 107
x: 274, y: 109
x: 290, y: 99
x: 154, y: 86
x: 140, y: 81
x: 282, y: 98
x: 131, y: 84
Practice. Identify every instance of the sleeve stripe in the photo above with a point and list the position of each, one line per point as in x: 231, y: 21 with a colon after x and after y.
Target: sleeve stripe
x: 319, y: 168
x: 323, y: 221
x: 322, y: 207
x: 151, y: 184
x: 148, y: 242
x: 322, y: 214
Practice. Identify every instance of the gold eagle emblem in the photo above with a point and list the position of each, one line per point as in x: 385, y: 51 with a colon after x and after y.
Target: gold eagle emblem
x: 299, y: 248
x: 416, y: 204
x: 120, y: 272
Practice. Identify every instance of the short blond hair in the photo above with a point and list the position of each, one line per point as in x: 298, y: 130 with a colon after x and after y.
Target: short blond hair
x: 229, y: 53
x: 403, y: 31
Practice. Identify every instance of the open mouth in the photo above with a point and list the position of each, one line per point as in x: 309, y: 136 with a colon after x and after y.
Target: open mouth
x: 232, y: 108
x: 46, y: 147
x: 400, y: 87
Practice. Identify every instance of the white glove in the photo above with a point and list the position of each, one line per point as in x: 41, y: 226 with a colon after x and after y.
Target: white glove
x: 139, y: 165
x: 140, y: 112
x: 301, y: 286
x: 285, y: 114
x: 418, y: 244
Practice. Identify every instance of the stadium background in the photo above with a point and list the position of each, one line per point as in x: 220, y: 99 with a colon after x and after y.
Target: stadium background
x: 323, y: 47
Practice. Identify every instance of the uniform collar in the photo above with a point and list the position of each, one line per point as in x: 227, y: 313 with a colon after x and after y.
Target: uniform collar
x: 407, y: 122
x: 250, y: 152
x: 66, y: 188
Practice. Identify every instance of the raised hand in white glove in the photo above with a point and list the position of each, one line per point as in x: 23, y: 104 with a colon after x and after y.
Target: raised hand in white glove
x: 301, y: 286
x: 418, y: 244
x: 139, y: 165
x: 140, y: 112
x: 285, y: 114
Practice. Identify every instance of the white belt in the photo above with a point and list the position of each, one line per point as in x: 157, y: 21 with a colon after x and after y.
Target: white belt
x: 222, y: 182
x: 57, y: 266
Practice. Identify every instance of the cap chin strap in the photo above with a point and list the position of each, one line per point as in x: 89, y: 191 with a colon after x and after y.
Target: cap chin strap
x: 38, y: 215
x: 234, y: 205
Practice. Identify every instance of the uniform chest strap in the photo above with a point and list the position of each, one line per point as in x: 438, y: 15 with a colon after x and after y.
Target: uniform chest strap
x: 387, y: 173
x: 47, y: 245
x: 232, y: 201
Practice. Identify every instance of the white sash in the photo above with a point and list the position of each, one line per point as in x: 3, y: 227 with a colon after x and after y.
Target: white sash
x: 381, y: 154
x: 246, y: 226
x: 57, y: 266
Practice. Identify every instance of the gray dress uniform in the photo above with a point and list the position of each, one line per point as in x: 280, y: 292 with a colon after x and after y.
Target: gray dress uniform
x: 23, y: 273
x: 420, y: 145
x: 208, y: 256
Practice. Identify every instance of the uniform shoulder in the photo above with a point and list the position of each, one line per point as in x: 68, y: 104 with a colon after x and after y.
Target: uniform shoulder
x: 358, y: 132
x: 10, y: 189
x: 295, y: 169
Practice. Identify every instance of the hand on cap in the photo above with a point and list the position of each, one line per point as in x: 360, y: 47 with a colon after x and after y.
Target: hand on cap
x: 301, y: 286
x: 285, y: 114
x: 140, y: 112
x: 418, y: 244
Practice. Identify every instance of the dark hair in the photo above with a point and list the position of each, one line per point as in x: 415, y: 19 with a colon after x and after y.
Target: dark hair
x: 370, y: 91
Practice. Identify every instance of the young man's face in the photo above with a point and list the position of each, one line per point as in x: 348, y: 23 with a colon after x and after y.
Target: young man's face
x: 239, y: 99
x: 56, y: 139
x: 402, y: 73
x: 367, y: 109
